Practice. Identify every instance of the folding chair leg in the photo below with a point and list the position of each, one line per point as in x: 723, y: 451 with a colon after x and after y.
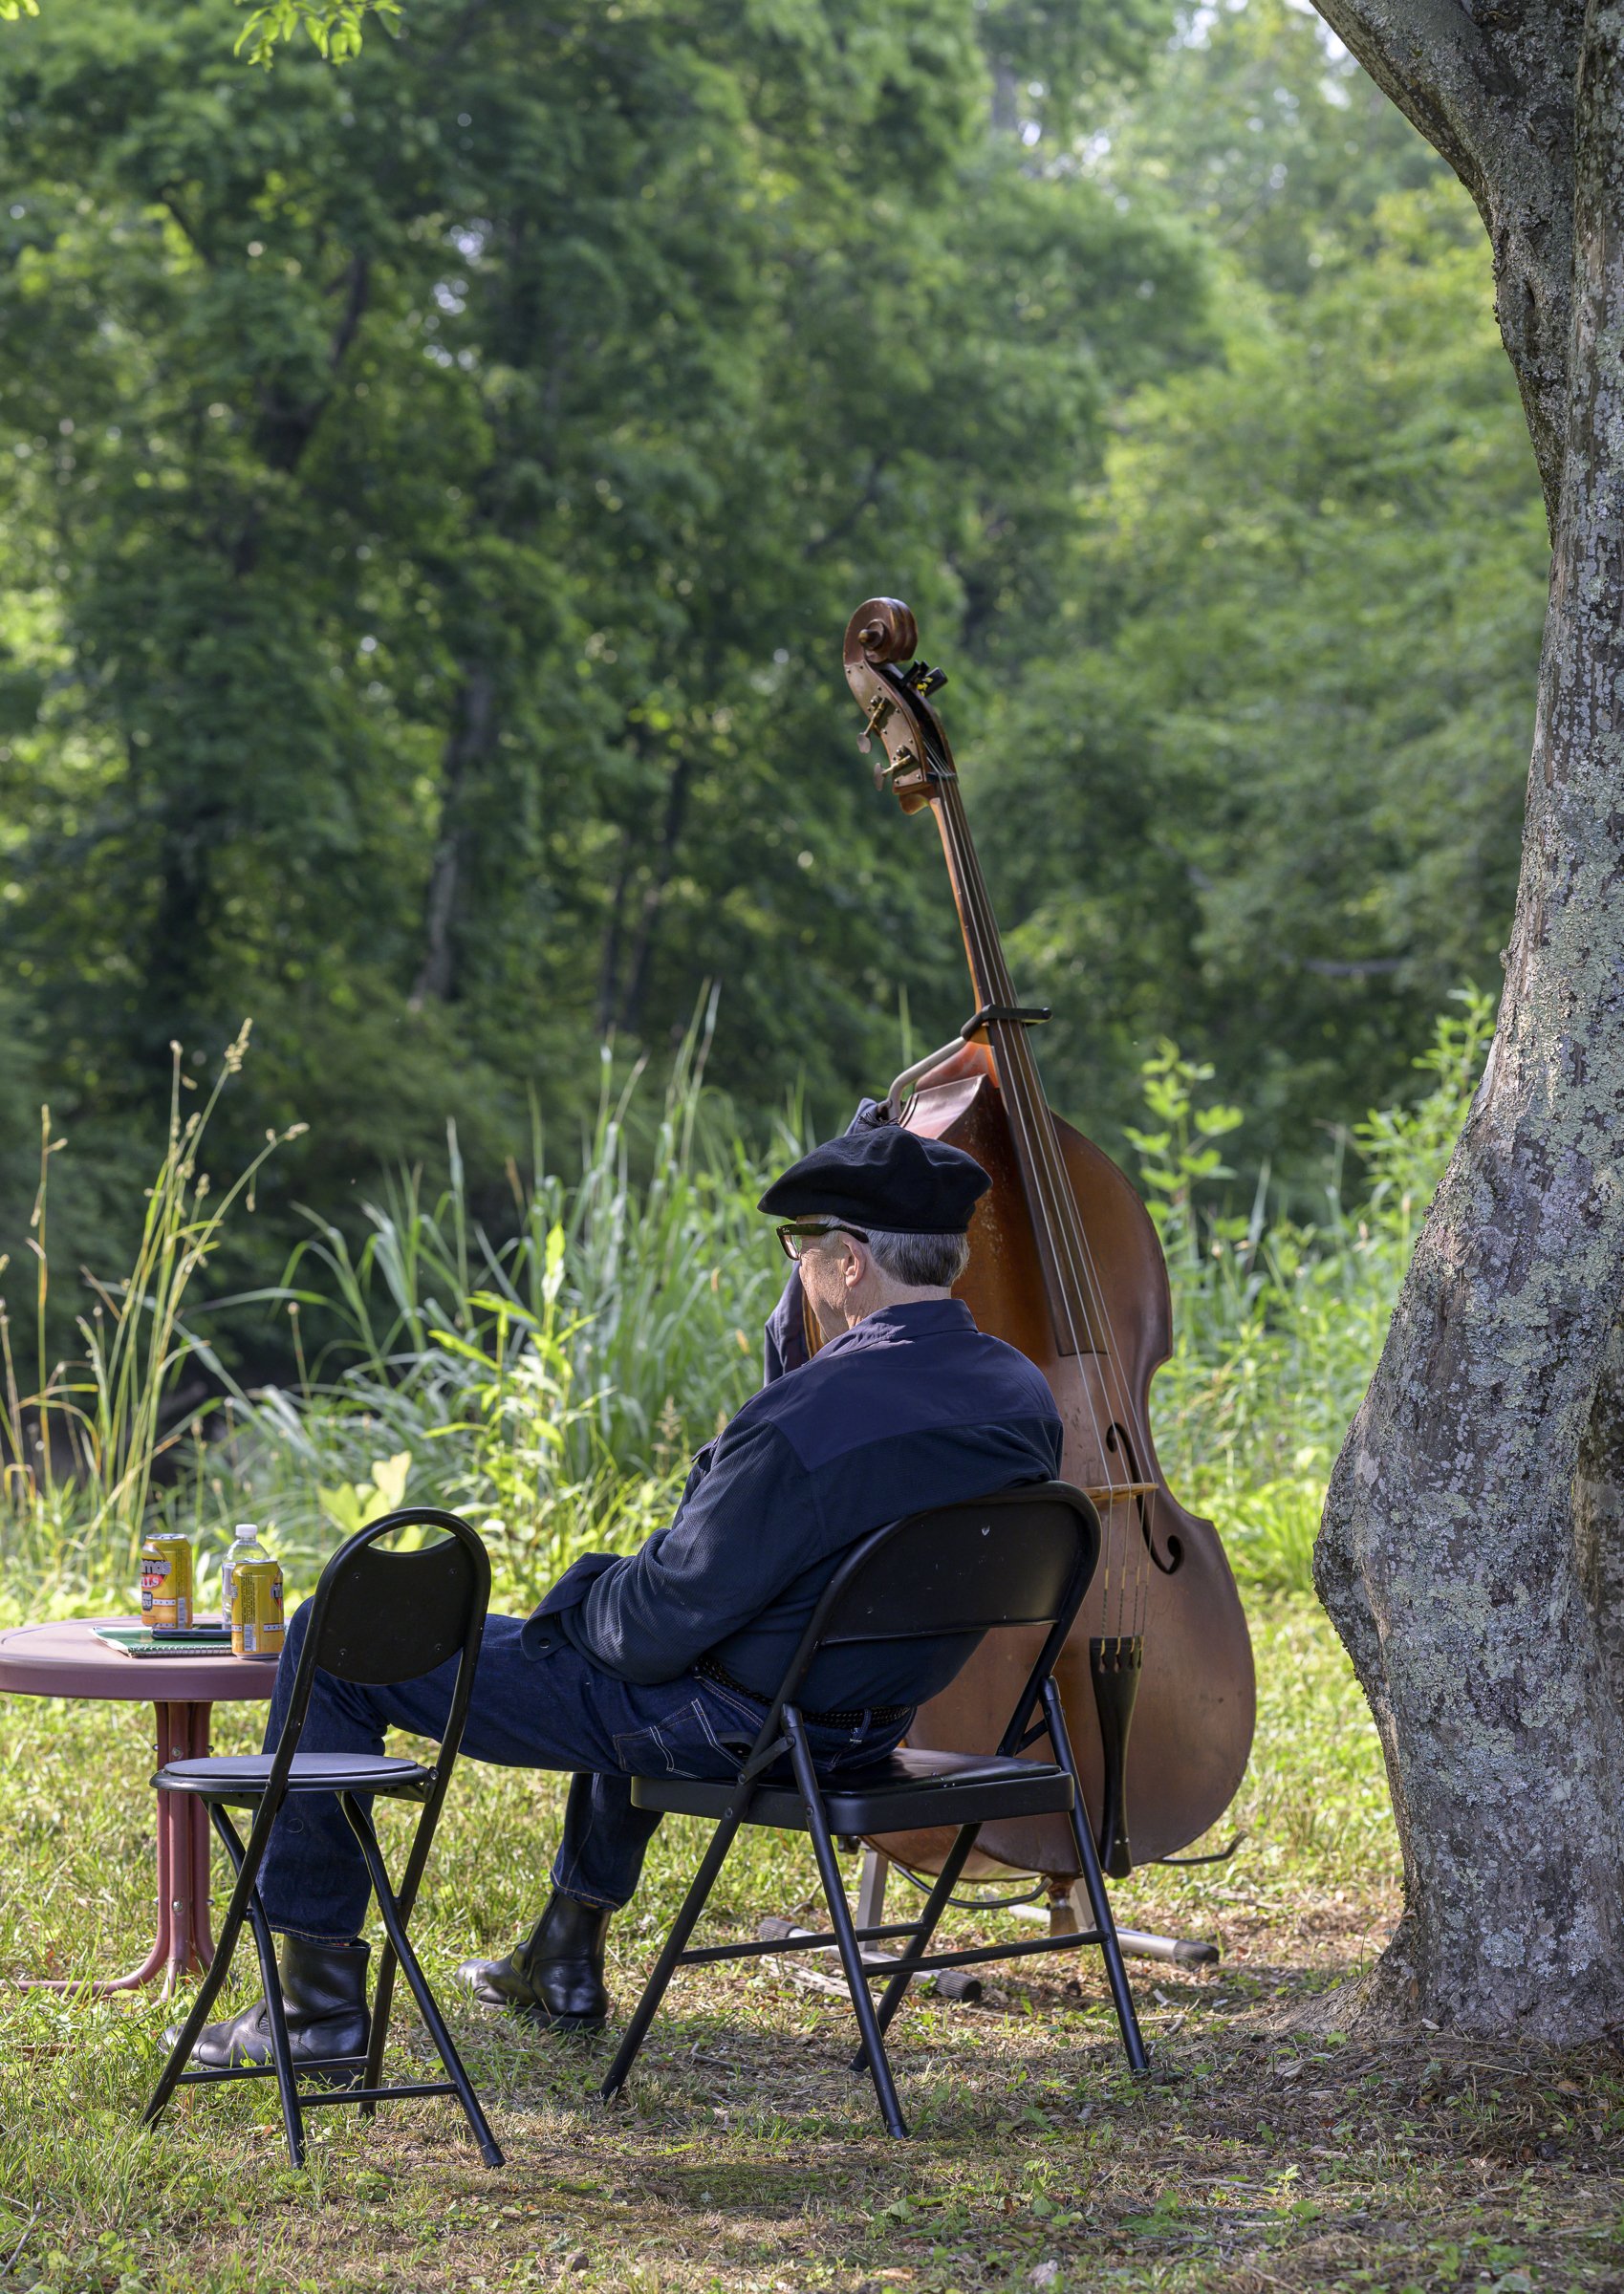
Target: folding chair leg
x: 191, y: 2030
x: 916, y: 1946
x: 382, y: 2001
x: 1094, y: 1881
x: 682, y: 1928
x: 389, y: 1912
x: 406, y: 1895
x: 275, y: 2015
x: 845, y: 1934
x: 270, y: 1984
x: 213, y: 1981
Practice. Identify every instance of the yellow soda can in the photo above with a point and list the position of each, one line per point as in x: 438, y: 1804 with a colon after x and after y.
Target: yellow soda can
x: 257, y: 1627
x: 167, y: 1581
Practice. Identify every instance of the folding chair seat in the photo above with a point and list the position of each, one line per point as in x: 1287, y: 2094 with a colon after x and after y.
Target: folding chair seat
x: 1020, y: 1557
x: 905, y: 1792
x: 376, y: 1617
x: 238, y: 1780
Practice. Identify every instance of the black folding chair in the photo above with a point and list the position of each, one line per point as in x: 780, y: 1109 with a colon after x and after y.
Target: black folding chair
x: 376, y: 1617
x: 1020, y: 1557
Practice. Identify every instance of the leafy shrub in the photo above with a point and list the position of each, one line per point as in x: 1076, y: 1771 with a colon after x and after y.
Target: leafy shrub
x: 1278, y: 1323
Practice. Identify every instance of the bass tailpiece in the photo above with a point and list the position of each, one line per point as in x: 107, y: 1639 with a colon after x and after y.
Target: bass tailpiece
x: 1116, y: 1661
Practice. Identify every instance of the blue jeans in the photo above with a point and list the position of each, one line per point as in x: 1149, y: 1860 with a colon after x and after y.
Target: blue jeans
x: 557, y: 1711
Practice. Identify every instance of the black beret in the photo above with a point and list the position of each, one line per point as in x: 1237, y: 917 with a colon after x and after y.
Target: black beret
x: 886, y: 1177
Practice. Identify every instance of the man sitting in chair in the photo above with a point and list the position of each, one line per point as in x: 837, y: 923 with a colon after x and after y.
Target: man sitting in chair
x: 664, y: 1661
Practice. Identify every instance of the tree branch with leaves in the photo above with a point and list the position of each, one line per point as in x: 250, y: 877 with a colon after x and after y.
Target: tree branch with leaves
x: 334, y: 27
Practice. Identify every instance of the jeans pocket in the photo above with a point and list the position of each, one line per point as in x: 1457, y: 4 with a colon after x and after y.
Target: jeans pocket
x: 729, y: 1743
x: 862, y: 1752
x: 643, y: 1752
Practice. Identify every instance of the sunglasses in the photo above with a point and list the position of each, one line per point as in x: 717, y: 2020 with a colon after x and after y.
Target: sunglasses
x: 792, y: 1235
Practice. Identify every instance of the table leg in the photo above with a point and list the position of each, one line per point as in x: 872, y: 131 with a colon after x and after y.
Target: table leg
x: 183, y: 1943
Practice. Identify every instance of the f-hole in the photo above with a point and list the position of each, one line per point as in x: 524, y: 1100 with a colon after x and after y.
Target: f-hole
x: 1119, y: 1442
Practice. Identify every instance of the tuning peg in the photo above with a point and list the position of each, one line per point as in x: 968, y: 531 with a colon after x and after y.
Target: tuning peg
x: 883, y: 705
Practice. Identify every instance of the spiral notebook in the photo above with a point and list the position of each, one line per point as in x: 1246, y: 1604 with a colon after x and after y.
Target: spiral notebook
x: 167, y: 1641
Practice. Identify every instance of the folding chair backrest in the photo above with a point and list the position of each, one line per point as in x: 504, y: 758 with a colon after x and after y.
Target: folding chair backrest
x: 1021, y: 1556
x: 383, y: 1618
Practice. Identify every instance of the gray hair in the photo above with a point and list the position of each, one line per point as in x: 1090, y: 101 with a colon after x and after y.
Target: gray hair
x: 931, y: 1262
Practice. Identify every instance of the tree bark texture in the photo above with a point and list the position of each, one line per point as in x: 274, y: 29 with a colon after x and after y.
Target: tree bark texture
x: 1598, y: 1513
x: 1471, y: 1552
x: 1491, y: 88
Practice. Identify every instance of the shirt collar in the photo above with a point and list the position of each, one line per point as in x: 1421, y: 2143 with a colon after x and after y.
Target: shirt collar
x: 917, y: 1318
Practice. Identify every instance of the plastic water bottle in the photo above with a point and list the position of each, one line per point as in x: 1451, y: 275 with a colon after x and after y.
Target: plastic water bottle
x: 244, y: 1545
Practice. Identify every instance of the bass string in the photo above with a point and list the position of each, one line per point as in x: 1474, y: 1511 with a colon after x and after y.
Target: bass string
x: 1073, y: 1255
x: 1054, y: 1206
x: 994, y: 985
x: 1017, y: 1073
x: 1083, y: 1268
x: 1016, y: 1070
x: 1030, y: 1112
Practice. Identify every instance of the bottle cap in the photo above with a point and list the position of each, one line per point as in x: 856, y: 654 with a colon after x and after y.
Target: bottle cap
x: 246, y: 1530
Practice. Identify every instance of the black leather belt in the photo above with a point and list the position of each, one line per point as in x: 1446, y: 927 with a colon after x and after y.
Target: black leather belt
x: 886, y: 1714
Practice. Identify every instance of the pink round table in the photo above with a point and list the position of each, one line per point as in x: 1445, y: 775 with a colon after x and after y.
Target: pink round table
x: 66, y: 1659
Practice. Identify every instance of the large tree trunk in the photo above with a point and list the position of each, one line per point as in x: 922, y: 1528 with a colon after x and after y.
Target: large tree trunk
x: 1469, y: 1553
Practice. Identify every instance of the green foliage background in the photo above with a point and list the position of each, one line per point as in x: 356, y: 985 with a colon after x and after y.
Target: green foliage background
x: 432, y: 490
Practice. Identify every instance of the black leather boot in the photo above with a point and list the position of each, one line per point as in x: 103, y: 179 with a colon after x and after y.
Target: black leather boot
x: 324, y: 1999
x: 556, y: 1979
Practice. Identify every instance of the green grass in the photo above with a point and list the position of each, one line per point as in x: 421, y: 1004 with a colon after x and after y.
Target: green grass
x: 549, y: 1380
x: 746, y: 2157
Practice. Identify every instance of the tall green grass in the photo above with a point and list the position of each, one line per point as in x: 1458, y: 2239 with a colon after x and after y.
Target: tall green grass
x: 82, y: 1439
x: 550, y: 1379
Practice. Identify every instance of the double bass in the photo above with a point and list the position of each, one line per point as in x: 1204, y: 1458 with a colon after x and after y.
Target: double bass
x: 1156, y: 1679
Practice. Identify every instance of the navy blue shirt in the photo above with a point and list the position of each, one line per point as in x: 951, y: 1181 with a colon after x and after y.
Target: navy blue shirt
x: 912, y: 1408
